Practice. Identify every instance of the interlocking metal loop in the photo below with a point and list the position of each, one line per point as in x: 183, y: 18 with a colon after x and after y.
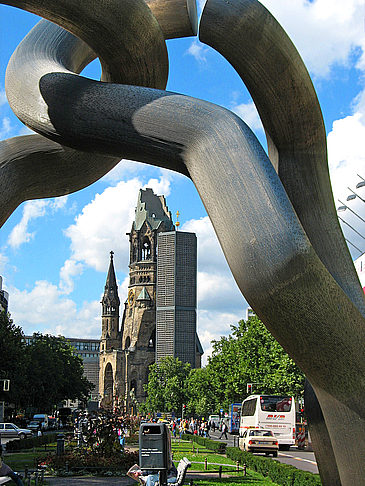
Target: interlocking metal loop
x: 274, y: 217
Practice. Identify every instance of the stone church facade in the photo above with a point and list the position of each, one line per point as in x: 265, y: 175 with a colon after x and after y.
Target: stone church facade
x: 127, y: 351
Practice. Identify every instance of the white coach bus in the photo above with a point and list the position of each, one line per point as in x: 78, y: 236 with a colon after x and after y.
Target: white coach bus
x: 273, y: 412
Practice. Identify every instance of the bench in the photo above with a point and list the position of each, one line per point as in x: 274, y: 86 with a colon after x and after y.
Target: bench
x: 182, y: 468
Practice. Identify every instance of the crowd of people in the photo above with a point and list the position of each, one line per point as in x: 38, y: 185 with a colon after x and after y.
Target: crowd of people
x: 201, y: 427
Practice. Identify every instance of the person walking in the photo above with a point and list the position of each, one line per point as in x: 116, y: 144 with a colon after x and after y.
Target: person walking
x: 224, y: 431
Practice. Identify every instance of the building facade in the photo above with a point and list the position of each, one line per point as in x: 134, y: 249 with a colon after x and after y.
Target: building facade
x: 128, y: 350
x: 176, y: 297
x: 4, y: 297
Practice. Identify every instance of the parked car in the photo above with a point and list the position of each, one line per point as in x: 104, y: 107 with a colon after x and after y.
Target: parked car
x: 259, y: 440
x: 34, y: 425
x: 12, y: 431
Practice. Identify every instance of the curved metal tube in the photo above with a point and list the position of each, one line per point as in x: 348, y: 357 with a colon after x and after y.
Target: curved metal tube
x: 123, y: 33
x: 268, y: 63
x: 27, y: 164
x: 309, y: 311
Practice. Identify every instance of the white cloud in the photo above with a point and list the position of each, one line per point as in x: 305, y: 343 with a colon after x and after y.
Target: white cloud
x: 68, y: 272
x: 33, y: 210
x: 3, y: 263
x: 5, y: 127
x: 325, y: 32
x: 249, y: 114
x: 198, y: 51
x: 220, y: 302
x: 213, y: 325
x: 103, y: 223
x: 122, y: 169
x: 44, y: 309
x: 20, y: 233
x: 346, y: 153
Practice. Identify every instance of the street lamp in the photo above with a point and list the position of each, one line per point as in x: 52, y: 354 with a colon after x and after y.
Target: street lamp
x: 343, y: 207
x: 354, y: 195
x: 361, y: 183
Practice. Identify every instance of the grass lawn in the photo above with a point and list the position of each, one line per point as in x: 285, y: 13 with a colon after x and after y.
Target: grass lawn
x: 21, y: 460
x: 185, y: 449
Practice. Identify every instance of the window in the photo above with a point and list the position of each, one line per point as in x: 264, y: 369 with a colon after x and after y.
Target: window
x: 275, y: 404
x: 146, y: 249
x: 127, y: 342
x: 152, y: 340
x: 249, y: 407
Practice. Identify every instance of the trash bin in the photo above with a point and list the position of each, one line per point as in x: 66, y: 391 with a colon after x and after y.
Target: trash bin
x: 154, y: 446
x: 60, y: 444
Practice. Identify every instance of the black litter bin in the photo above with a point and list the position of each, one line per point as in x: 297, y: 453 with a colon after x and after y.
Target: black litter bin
x: 154, y: 446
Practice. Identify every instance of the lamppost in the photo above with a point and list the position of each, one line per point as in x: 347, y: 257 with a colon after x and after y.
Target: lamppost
x: 344, y: 207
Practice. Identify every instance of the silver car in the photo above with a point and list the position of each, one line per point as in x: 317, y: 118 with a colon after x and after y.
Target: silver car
x: 12, y: 431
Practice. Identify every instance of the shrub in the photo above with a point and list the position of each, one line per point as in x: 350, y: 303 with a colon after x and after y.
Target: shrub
x: 18, y: 445
x: 89, y: 461
x: 219, y: 447
x: 279, y: 473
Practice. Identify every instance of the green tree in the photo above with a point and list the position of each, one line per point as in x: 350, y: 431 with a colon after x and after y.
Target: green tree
x: 166, y: 388
x: 201, y: 392
x: 12, y: 360
x: 252, y: 355
x: 53, y: 372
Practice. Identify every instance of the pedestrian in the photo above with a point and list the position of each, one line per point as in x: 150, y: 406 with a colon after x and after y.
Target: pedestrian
x: 224, y: 431
x: 5, y: 470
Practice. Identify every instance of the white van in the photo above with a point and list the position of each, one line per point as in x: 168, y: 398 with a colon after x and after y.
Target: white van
x: 42, y: 418
x: 215, y: 419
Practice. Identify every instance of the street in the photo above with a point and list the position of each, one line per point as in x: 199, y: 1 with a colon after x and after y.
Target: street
x: 301, y: 459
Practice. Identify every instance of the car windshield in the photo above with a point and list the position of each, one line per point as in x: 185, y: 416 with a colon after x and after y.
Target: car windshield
x: 261, y: 433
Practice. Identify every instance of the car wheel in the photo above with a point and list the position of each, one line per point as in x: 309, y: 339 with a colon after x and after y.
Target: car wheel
x: 275, y: 454
x: 21, y: 436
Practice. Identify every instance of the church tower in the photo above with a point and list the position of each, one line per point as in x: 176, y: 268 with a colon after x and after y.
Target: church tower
x: 139, y: 322
x: 110, y: 343
x: 127, y: 352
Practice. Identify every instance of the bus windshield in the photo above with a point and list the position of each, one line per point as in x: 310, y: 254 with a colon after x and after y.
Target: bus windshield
x: 275, y: 404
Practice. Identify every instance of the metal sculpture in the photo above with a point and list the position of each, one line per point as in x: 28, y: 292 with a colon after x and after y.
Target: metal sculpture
x: 290, y: 259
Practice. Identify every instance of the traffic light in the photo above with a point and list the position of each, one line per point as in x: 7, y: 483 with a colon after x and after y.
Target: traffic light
x: 184, y: 408
x: 249, y: 388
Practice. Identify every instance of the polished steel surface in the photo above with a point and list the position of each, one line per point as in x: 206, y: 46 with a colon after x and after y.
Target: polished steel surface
x: 274, y: 217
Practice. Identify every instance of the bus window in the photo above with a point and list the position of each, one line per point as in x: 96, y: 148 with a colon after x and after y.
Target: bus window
x: 275, y: 404
x: 249, y: 407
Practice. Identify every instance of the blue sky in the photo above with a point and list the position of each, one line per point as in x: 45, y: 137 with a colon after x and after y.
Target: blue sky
x: 54, y: 253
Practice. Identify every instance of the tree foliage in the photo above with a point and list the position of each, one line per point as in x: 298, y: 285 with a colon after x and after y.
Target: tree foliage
x: 42, y: 373
x: 166, y: 390
x: 54, y: 372
x: 12, y: 359
x: 250, y: 354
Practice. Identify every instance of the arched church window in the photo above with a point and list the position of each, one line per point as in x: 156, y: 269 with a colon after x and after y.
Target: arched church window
x: 127, y: 342
x: 152, y: 340
x: 146, y: 249
x: 134, y: 253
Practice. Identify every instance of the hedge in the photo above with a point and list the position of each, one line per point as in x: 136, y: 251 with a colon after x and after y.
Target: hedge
x: 279, y: 473
x: 213, y: 445
x: 18, y: 445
